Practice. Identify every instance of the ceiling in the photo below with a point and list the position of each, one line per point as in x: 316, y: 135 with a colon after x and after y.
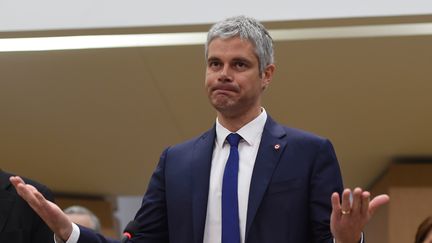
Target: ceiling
x: 95, y: 121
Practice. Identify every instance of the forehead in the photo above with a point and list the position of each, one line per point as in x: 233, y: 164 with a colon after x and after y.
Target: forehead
x: 234, y: 47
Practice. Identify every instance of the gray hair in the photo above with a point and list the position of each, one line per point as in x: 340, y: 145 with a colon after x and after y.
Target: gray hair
x: 84, y: 211
x: 247, y: 29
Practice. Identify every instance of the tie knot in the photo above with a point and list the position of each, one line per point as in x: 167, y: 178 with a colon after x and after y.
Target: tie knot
x: 233, y: 139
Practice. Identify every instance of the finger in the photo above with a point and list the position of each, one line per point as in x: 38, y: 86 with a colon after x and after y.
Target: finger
x: 32, y: 197
x: 346, y: 204
x: 15, y: 180
x: 53, y: 216
x: 356, y: 200
x: 377, y: 202
x: 30, y: 194
x: 335, y: 200
x: 22, y: 189
x: 365, y: 197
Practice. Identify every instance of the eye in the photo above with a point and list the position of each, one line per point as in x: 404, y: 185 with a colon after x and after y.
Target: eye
x: 213, y: 64
x: 240, y: 65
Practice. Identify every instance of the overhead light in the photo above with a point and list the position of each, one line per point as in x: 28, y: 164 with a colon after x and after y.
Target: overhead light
x: 199, y: 38
x: 99, y: 41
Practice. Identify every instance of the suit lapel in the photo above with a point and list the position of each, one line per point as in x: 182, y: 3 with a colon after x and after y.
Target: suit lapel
x: 201, y: 165
x: 269, y: 152
x: 7, y: 199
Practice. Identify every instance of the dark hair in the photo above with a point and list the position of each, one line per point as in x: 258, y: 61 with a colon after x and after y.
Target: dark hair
x: 423, y: 230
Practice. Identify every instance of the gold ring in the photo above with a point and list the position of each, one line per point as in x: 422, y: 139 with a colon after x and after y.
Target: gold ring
x: 346, y: 212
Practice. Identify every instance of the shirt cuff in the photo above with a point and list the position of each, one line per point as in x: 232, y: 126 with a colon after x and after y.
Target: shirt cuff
x: 73, y: 238
x: 361, y: 239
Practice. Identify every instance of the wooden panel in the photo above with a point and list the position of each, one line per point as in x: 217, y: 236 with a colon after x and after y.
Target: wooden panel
x: 410, y: 189
x: 409, y: 207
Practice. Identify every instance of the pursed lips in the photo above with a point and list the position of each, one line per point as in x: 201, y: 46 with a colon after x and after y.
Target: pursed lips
x: 224, y: 89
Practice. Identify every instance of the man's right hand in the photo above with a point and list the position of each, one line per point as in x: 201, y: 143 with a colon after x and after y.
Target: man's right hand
x: 53, y: 216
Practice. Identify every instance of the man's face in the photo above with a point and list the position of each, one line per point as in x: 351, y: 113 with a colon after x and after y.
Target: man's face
x: 233, y: 81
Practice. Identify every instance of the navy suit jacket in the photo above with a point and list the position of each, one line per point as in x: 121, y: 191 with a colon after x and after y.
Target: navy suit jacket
x: 289, y: 197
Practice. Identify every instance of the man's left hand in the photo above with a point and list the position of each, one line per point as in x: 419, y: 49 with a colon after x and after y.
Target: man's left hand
x: 349, y: 218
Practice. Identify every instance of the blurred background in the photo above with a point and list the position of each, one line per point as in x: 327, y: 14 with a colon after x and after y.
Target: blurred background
x: 90, y: 121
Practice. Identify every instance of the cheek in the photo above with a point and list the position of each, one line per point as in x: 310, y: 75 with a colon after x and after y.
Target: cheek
x: 257, y: 85
x: 207, y: 83
x: 210, y: 78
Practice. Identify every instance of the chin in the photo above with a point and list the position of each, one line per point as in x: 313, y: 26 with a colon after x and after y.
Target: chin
x: 221, y: 102
x: 225, y: 108
x: 220, y: 107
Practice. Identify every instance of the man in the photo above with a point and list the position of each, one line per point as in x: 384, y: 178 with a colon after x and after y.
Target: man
x: 83, y: 216
x: 268, y: 183
x: 18, y: 222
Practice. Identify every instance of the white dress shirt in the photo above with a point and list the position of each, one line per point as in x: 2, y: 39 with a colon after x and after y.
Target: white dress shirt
x: 248, y: 148
x: 73, y: 238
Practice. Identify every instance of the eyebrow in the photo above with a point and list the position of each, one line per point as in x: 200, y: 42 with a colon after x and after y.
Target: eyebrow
x: 213, y: 59
x: 237, y: 59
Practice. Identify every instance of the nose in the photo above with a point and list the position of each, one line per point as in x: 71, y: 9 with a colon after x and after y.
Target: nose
x: 225, y: 74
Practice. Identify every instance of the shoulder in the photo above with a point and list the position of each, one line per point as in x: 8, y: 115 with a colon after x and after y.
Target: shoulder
x: 302, y: 134
x: 297, y: 139
x: 292, y: 134
x: 206, y: 138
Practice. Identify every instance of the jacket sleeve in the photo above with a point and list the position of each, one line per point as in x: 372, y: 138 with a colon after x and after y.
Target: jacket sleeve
x: 152, y: 215
x: 325, y: 179
x: 89, y: 236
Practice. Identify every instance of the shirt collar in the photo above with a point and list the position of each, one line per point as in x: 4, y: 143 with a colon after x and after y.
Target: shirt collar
x: 250, y: 132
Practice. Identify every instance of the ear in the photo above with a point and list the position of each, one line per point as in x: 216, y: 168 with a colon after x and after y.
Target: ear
x: 267, y: 75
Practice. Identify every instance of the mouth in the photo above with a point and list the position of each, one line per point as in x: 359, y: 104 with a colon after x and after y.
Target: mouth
x: 222, y: 92
x: 224, y: 89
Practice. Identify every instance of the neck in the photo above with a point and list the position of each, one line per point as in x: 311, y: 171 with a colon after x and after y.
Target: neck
x: 233, y: 122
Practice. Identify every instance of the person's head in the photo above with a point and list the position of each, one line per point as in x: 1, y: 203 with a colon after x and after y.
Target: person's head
x: 240, y: 65
x: 424, y: 231
x: 247, y: 29
x: 82, y: 216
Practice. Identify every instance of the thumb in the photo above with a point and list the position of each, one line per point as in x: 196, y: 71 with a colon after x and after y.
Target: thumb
x: 377, y: 202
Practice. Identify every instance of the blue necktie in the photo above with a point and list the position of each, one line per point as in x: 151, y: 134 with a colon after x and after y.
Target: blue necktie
x: 230, y: 211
